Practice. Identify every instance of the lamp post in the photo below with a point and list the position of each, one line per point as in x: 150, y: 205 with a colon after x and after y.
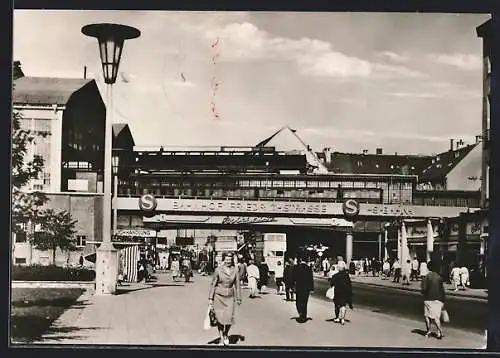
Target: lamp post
x: 110, y: 38
x: 115, y: 159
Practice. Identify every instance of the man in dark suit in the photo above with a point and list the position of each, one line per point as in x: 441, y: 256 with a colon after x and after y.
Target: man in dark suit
x: 304, y: 284
x: 288, y: 279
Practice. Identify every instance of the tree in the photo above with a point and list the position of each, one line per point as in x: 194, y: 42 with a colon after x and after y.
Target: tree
x: 26, y: 206
x: 57, y: 231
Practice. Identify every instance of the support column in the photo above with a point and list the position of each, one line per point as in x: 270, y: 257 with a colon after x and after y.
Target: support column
x: 348, y: 247
x: 399, y: 244
x: 379, y: 246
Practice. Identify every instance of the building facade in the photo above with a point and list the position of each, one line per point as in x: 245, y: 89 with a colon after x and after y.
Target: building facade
x: 67, y: 118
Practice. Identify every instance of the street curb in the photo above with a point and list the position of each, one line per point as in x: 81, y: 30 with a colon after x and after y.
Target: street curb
x: 409, y: 289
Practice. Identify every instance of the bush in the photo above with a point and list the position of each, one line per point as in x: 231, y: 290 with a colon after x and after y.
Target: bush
x: 51, y: 273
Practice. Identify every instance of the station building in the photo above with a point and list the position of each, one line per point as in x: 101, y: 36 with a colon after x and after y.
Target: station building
x: 281, y: 168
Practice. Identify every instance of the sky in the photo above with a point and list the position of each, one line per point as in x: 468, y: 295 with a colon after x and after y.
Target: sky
x: 407, y: 83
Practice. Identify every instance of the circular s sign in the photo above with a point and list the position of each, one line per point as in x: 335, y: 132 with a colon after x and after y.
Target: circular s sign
x: 350, y: 208
x: 148, y: 203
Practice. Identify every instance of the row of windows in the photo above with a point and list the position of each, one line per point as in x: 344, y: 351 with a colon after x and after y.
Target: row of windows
x: 272, y: 183
x: 365, y: 195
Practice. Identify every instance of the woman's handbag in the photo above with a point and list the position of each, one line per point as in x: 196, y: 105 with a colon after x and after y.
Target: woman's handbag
x: 206, y: 322
x: 445, y: 317
x: 210, y: 319
x: 330, y: 293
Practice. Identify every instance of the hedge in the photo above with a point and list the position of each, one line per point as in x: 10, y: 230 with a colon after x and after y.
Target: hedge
x: 51, y: 273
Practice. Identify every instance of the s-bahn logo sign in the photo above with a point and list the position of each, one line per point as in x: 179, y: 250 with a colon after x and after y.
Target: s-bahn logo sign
x: 147, y: 203
x: 350, y: 208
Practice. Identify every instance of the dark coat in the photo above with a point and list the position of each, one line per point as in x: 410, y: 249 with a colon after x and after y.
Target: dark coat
x: 432, y: 287
x: 288, y: 275
x: 264, y: 274
x: 303, y: 278
x: 343, y: 288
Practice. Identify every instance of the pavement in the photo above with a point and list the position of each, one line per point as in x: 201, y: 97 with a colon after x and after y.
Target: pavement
x: 169, y: 313
x: 414, y: 286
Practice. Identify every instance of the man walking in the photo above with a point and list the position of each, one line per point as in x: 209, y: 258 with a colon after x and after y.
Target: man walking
x: 304, y: 284
x: 326, y: 266
x: 288, y: 279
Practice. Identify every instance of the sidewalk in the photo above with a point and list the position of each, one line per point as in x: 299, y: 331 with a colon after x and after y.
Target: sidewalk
x: 414, y: 286
x: 169, y: 313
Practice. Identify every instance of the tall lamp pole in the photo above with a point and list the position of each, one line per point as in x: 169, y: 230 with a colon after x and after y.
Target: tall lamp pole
x: 110, y: 38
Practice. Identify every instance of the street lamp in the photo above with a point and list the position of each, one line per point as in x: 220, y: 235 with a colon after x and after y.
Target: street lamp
x: 110, y: 38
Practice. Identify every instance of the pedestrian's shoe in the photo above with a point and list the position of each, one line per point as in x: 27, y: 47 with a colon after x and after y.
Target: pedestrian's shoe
x: 336, y: 320
x: 226, y: 341
x: 342, y: 321
x: 428, y: 334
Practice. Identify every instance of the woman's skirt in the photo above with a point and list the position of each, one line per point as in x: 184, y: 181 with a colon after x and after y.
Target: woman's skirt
x: 432, y: 309
x: 224, y: 307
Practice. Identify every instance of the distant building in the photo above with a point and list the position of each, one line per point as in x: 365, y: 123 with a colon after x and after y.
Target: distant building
x: 451, y: 178
x: 484, y: 32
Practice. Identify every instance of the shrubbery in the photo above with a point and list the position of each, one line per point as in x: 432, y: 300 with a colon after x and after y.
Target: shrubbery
x: 51, y: 273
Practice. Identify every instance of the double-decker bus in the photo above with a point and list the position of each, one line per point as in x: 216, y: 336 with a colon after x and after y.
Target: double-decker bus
x: 271, y: 248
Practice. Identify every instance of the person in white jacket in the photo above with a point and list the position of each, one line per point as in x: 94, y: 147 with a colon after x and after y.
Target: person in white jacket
x: 278, y: 277
x: 253, y: 277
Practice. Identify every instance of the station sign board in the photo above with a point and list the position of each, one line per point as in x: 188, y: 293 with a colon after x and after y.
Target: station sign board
x: 263, y: 208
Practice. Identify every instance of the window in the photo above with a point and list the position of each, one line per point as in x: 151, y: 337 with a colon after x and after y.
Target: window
x: 21, y: 236
x: 81, y: 240
x: 20, y: 260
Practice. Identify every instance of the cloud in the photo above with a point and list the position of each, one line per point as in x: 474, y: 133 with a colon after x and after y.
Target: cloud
x: 371, y: 136
x: 392, y: 56
x: 351, y: 101
x: 415, y: 95
x: 245, y: 42
x: 463, y: 62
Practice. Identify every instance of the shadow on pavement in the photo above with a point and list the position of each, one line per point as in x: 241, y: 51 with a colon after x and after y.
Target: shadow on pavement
x: 298, y: 320
x: 333, y: 319
x: 122, y: 291
x: 419, y: 331
x: 233, y: 339
x: 63, y: 333
x: 168, y: 285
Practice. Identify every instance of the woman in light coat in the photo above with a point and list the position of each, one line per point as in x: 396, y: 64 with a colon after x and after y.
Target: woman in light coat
x: 455, y: 277
x: 224, y: 293
x: 175, y: 268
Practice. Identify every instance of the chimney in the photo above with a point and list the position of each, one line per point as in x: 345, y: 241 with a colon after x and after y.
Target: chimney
x: 451, y: 145
x: 379, y: 151
x: 365, y: 151
x: 328, y: 155
x: 478, y: 139
x: 84, y: 72
x: 17, y: 71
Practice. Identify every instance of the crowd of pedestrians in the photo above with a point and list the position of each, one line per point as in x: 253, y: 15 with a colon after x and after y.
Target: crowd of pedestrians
x: 294, y: 279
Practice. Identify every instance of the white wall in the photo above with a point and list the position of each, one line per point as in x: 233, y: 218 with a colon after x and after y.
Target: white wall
x: 470, y: 166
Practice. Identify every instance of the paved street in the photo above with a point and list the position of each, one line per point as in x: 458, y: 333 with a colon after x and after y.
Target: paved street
x: 172, y: 314
x: 468, y: 309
